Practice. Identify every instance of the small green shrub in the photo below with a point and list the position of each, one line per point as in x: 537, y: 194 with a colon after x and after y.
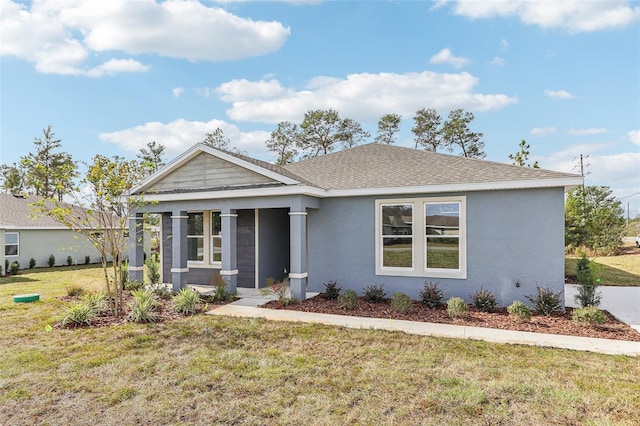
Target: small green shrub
x: 69, y: 260
x: 402, y: 303
x: 52, y: 261
x: 279, y: 289
x: 15, y: 267
x: 331, y: 290
x: 484, y: 300
x: 186, y: 300
x: 77, y: 314
x: 220, y: 291
x: 375, y: 293
x: 431, y: 295
x: 125, y: 274
x: 546, y: 301
x: 134, y: 285
x: 588, y: 316
x: 153, y: 270
x: 457, y: 308
x: 75, y: 290
x: 6, y: 265
x: 97, y: 301
x: 587, y: 273
x: 348, y: 299
x: 32, y: 263
x: 519, y: 311
x: 142, y: 305
x: 87, y: 260
x: 161, y: 291
x: 1, y: 270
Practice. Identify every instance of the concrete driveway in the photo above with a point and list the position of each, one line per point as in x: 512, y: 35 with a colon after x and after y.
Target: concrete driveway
x: 621, y: 302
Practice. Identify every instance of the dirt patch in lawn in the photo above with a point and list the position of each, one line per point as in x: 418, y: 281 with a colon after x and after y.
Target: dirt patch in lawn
x: 557, y: 323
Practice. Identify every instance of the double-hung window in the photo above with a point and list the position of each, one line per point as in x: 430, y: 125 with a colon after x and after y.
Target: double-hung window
x: 11, y: 244
x: 204, y: 239
x: 423, y: 237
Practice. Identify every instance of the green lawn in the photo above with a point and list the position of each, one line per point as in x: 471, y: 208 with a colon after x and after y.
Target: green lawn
x: 250, y: 371
x: 621, y: 270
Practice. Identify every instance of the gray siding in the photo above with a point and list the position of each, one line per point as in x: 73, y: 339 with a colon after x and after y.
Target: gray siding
x: 40, y: 243
x: 511, y: 235
x: 273, y: 240
x: 206, y: 171
x: 246, y: 243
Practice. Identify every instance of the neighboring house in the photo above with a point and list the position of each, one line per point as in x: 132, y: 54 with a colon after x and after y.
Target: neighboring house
x: 25, y: 236
x: 370, y: 214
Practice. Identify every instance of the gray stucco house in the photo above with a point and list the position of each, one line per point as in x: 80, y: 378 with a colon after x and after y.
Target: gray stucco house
x: 24, y: 236
x: 370, y: 214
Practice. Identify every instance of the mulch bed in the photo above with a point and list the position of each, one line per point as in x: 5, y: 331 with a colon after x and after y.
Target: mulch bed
x: 558, y: 323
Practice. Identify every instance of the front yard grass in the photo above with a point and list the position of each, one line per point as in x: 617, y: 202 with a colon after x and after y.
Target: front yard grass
x: 622, y: 270
x: 216, y: 370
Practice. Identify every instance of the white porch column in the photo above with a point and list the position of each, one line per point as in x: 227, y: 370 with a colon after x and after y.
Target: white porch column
x: 2, y: 252
x: 229, y: 271
x: 179, y: 252
x: 298, y: 253
x: 136, y: 248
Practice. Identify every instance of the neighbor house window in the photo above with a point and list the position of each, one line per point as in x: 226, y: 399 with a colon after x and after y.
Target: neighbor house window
x: 423, y: 237
x: 195, y: 237
x: 11, y: 244
x: 216, y: 238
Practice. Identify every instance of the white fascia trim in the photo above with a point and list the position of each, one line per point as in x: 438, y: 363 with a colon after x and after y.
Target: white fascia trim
x: 238, y: 193
x: 39, y: 228
x: 200, y: 147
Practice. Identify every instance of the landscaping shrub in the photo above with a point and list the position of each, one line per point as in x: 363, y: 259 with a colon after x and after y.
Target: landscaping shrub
x: 279, y: 289
x: 125, y: 274
x: 6, y: 265
x: 75, y: 290
x: 402, y: 303
x: 15, y: 267
x: 134, y: 285
x: 97, y: 301
x: 1, y: 270
x: 69, y: 260
x: 161, y: 291
x: 153, y: 270
x: 375, y: 293
x: 142, y: 304
x: 220, y: 288
x: 32, y: 263
x: 484, y: 300
x: 52, y: 261
x: 457, y: 308
x: 87, y: 260
x: 186, y: 300
x: 348, y: 299
x: 587, y: 273
x: 589, y: 315
x: 331, y: 290
x: 77, y: 314
x: 431, y: 295
x: 546, y: 301
x: 519, y: 311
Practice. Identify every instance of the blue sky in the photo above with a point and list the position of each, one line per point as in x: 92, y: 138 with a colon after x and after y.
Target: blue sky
x: 112, y: 76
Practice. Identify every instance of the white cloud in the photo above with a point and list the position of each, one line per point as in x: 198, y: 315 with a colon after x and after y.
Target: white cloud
x: 177, y: 91
x: 60, y: 37
x: 178, y: 135
x: 634, y: 136
x: 445, y: 56
x: 497, y: 61
x: 543, y: 131
x: 365, y: 97
x: 504, y: 44
x: 559, y: 94
x: 573, y: 16
x: 587, y: 132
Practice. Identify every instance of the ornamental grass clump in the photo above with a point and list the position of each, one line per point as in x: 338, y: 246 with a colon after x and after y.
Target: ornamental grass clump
x: 78, y: 314
x: 348, y: 299
x: 96, y: 301
x: 431, y: 295
x: 186, y: 300
x: 401, y: 303
x: 484, y: 300
x: 457, y: 308
x: 143, y: 302
x: 588, y: 316
x: 519, y: 311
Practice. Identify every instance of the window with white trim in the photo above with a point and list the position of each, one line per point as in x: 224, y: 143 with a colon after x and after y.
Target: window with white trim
x: 11, y: 244
x: 423, y: 237
x: 204, y: 239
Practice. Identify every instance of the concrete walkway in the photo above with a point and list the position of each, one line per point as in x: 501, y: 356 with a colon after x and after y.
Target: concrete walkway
x: 622, y: 302
x: 250, y: 307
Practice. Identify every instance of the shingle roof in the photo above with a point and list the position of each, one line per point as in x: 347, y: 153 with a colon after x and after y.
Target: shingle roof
x: 385, y: 166
x: 16, y: 212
